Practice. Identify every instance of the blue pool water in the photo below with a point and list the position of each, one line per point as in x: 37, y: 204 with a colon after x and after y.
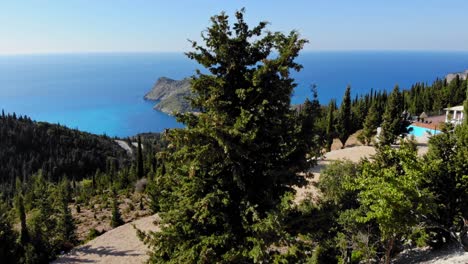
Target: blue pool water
x: 421, y: 131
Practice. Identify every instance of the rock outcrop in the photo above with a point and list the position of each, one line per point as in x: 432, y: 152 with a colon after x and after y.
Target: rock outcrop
x: 171, y: 95
x: 461, y: 75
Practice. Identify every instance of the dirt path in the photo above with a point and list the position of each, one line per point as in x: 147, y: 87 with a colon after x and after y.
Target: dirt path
x: 125, y: 146
x: 117, y: 246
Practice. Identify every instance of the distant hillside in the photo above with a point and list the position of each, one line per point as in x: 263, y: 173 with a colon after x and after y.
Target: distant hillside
x: 461, y: 75
x: 170, y: 95
x: 27, y: 146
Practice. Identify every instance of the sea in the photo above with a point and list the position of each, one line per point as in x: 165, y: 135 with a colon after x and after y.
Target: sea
x: 102, y: 93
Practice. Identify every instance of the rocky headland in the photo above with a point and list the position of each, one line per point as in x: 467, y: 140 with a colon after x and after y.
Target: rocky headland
x: 170, y: 95
x: 461, y: 75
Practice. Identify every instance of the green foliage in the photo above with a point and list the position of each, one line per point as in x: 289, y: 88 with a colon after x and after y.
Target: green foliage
x: 309, y: 118
x: 19, y: 204
x: 27, y: 146
x: 370, y: 124
x: 332, y: 181
x: 116, y: 219
x: 49, y: 228
x: 227, y: 171
x: 344, y: 126
x: 65, y: 223
x: 140, y: 165
x: 393, y: 123
x: 92, y: 234
x: 448, y: 180
x: 8, y: 237
x: 433, y: 98
x: 391, y: 194
x: 330, y: 128
x: 465, y: 104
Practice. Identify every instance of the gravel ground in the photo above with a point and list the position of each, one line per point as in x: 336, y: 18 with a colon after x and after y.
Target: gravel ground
x: 117, y: 246
x: 452, y: 255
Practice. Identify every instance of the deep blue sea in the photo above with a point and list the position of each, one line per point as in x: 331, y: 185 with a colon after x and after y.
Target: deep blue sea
x: 103, y: 93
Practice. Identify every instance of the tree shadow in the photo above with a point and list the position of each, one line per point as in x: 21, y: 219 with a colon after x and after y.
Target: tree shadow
x: 418, y: 255
x: 79, y: 255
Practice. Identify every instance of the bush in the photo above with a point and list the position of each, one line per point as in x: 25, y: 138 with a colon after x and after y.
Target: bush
x: 93, y: 233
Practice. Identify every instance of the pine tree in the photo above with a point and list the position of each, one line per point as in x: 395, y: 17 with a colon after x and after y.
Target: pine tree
x: 465, y: 105
x: 140, y: 169
x: 330, y: 132
x: 309, y: 115
x: 370, y: 124
x: 230, y: 168
x: 8, y: 246
x: 66, y: 225
x: 116, y: 219
x: 20, y: 210
x: 344, y: 126
x: 392, y: 120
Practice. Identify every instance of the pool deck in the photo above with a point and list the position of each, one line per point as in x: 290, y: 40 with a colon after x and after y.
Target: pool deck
x: 425, y: 125
x: 435, y: 122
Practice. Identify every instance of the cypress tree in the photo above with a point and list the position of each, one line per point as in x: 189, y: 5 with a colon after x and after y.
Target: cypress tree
x: 344, y: 126
x: 308, y: 116
x: 230, y: 168
x: 116, y: 219
x: 8, y: 248
x: 330, y: 132
x: 20, y: 210
x: 465, y: 106
x: 391, y: 125
x: 140, y: 169
x: 66, y: 225
x: 370, y: 124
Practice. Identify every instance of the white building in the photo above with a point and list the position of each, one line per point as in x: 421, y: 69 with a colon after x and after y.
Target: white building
x: 454, y: 115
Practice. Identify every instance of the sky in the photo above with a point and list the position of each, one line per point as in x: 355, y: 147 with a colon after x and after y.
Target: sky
x: 81, y: 26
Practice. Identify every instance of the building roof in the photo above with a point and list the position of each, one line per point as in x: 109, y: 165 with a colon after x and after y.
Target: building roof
x: 455, y: 108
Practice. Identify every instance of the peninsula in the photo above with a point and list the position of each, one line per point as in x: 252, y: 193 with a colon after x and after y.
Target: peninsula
x: 170, y: 95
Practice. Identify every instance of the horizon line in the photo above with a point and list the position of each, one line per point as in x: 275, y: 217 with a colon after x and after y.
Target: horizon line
x: 182, y: 52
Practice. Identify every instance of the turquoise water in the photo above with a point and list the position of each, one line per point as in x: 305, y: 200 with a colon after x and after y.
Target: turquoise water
x: 421, y: 131
x: 103, y: 93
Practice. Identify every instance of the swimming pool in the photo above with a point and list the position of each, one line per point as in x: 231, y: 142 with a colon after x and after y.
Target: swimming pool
x: 421, y: 131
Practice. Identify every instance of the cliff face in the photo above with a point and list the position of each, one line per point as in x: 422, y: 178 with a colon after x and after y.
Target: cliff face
x: 462, y: 75
x: 171, y: 95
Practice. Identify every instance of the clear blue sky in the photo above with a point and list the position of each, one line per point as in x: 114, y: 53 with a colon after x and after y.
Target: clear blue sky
x: 58, y: 26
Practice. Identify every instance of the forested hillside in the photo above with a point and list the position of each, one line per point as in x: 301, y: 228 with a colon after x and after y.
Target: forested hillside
x: 49, y: 169
x: 433, y: 98
x: 27, y: 147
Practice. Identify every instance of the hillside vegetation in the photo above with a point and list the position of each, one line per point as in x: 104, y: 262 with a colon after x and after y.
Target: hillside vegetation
x: 27, y: 146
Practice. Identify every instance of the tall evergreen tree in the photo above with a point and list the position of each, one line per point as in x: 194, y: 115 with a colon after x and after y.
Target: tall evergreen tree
x: 309, y: 115
x: 116, y: 219
x: 370, y: 124
x: 233, y: 163
x: 8, y: 248
x: 344, y: 125
x: 330, y: 131
x: 20, y: 210
x: 66, y: 225
x: 465, y: 105
x: 392, y: 118
x: 140, y: 168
